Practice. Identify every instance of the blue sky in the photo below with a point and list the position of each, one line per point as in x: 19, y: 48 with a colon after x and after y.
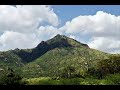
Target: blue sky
x: 95, y: 25
x: 68, y: 12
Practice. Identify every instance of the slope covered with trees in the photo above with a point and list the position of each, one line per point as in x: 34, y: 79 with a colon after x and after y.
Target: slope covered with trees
x: 61, y: 57
x: 63, y: 52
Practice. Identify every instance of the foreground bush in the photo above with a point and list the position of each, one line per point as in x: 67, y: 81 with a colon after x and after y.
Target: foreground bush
x: 50, y: 81
x: 9, y: 77
x: 111, y: 79
x: 115, y: 78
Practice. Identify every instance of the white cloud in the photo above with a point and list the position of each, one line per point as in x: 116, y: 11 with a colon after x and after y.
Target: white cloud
x: 47, y: 32
x: 71, y: 36
x: 102, y: 28
x: 105, y: 44
x: 19, y: 25
x: 99, y: 24
x: 12, y: 40
x: 115, y: 52
x: 26, y: 18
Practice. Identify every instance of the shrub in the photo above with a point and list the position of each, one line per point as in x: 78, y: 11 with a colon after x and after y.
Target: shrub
x: 115, y: 78
x: 10, y: 77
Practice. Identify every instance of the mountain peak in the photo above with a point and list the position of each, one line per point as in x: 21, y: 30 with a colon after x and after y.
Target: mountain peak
x: 60, y: 36
x: 57, y: 42
x: 64, y: 40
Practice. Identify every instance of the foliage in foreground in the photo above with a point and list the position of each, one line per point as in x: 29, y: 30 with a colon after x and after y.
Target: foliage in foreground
x: 105, y: 67
x: 9, y: 77
x: 111, y: 79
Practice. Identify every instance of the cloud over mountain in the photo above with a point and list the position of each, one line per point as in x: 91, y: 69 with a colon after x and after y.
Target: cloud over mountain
x: 31, y: 24
x: 103, y: 29
x: 18, y: 25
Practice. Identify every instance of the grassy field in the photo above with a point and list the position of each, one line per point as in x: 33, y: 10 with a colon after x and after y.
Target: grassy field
x: 108, y: 80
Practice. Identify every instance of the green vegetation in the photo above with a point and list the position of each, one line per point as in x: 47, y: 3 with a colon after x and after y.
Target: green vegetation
x: 54, y: 61
x: 106, y: 66
x: 59, y: 61
x: 108, y: 80
x: 9, y: 77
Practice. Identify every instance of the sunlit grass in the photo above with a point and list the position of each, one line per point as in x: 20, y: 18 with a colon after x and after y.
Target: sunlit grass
x: 111, y: 79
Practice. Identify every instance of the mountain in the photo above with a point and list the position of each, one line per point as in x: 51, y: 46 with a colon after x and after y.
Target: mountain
x: 52, y: 57
x: 28, y: 55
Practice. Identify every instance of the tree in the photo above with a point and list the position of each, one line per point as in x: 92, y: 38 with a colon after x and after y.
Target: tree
x: 69, y: 72
x: 106, y: 66
x: 10, y: 77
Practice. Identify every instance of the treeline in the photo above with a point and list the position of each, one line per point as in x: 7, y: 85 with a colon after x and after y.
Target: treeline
x: 103, y: 68
x: 106, y: 66
x: 100, y: 71
x: 10, y: 77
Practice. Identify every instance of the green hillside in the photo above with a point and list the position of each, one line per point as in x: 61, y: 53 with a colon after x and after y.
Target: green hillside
x: 9, y: 59
x: 67, y: 52
x: 61, y: 60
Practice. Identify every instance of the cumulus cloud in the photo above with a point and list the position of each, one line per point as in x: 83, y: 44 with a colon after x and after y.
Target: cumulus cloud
x: 12, y: 40
x: 26, y: 18
x: 27, y: 24
x: 102, y: 28
x: 19, y: 25
x: 105, y: 44
x: 99, y: 24
x: 71, y: 36
x: 47, y: 32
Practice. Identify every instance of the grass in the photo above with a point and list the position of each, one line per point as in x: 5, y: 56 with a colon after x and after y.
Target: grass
x: 111, y: 79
